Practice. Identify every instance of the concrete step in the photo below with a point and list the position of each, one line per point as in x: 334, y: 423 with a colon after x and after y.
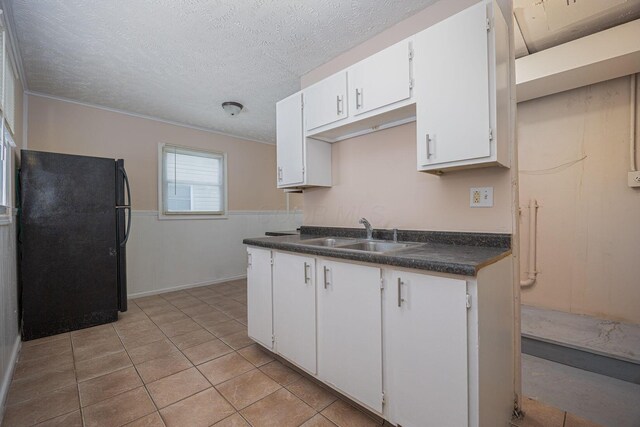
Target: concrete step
x: 596, y: 345
x: 598, y: 398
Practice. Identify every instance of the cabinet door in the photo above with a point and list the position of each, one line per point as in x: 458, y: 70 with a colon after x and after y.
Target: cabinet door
x: 381, y: 79
x: 452, y: 88
x: 290, y: 141
x: 294, y: 309
x: 350, y: 330
x: 425, y: 341
x: 259, y: 301
x: 326, y: 101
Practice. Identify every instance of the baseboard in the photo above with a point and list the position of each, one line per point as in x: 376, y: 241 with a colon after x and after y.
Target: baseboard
x: 183, y: 287
x: 8, y: 375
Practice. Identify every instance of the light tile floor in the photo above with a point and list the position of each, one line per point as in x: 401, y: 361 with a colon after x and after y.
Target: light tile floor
x: 181, y: 359
x: 177, y: 359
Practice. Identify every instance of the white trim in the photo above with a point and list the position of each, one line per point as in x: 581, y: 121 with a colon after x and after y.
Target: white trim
x: 8, y: 374
x: 229, y: 213
x: 144, y: 116
x: 182, y: 287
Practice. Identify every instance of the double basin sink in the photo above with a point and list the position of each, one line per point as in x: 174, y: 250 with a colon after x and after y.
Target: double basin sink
x: 377, y: 246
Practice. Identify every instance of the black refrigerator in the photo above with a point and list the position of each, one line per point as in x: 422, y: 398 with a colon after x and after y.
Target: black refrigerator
x: 75, y: 220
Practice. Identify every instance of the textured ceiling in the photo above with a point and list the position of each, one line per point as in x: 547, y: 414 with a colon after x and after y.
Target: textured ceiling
x: 180, y: 59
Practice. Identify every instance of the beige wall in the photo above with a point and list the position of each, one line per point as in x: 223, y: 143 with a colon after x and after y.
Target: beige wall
x: 375, y: 175
x: 588, y: 221
x: 66, y: 127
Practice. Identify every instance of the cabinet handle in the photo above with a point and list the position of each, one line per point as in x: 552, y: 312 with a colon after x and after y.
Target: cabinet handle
x: 400, y: 299
x: 428, y: 142
x: 325, y: 270
x: 358, y: 98
x: 248, y: 260
x: 279, y: 173
x: 306, y: 273
x: 339, y: 104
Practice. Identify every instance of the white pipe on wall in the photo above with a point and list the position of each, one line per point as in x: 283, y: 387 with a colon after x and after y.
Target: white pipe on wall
x: 632, y: 127
x: 532, y: 271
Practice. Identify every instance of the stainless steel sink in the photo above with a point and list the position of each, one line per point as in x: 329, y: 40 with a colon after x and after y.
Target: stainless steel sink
x: 375, y: 246
x: 330, y: 242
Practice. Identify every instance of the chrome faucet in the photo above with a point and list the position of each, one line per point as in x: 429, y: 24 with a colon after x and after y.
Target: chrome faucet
x: 368, y: 226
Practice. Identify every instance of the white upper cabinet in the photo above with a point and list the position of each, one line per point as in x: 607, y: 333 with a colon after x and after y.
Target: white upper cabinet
x: 294, y: 309
x: 461, y: 91
x: 260, y: 315
x: 326, y: 101
x: 381, y: 79
x: 290, y: 141
x: 301, y: 162
x: 453, y: 79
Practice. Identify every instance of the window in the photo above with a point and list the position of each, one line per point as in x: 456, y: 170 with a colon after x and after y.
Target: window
x: 8, y: 85
x: 192, y: 182
x: 6, y: 144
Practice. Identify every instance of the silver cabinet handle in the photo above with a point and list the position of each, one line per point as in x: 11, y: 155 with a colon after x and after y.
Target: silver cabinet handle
x: 339, y: 104
x: 325, y: 270
x: 400, y: 299
x: 249, y: 259
x: 428, y: 142
x: 279, y: 173
x: 358, y: 98
x: 306, y: 273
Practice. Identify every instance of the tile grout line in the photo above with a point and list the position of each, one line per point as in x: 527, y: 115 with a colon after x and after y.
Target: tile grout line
x: 139, y: 376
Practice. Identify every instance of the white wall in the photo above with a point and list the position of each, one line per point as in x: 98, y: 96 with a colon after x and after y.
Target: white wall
x: 169, y: 254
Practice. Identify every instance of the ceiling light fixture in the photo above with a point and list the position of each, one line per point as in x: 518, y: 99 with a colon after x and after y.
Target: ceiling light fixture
x: 232, y: 108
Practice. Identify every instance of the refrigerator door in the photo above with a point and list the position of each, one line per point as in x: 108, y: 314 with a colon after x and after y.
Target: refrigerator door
x: 123, y: 212
x: 68, y: 245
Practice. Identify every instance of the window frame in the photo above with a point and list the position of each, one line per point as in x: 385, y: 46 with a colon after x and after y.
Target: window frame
x: 163, y: 214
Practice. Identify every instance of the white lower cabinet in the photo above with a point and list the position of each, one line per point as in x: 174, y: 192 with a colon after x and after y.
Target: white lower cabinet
x: 420, y: 349
x: 294, y: 309
x: 259, y: 294
x: 350, y: 330
x: 425, y: 349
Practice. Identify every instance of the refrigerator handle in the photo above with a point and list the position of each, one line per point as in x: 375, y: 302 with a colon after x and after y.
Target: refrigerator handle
x: 127, y: 206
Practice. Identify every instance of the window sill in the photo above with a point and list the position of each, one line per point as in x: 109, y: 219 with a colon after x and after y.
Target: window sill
x: 163, y: 217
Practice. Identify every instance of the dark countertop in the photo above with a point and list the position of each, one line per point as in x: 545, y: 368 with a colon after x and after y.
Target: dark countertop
x: 445, y: 252
x: 283, y: 233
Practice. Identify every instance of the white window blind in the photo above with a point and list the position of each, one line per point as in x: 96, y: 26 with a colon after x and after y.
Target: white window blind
x: 193, y: 181
x: 3, y: 170
x: 2, y: 58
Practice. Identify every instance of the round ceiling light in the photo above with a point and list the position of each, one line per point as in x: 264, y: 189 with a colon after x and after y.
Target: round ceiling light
x: 232, y: 108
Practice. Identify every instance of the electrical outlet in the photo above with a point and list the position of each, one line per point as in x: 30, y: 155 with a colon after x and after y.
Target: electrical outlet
x: 634, y: 179
x: 481, y: 197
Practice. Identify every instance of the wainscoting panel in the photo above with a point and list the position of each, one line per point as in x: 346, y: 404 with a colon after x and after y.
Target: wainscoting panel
x: 9, y: 334
x: 164, y: 255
